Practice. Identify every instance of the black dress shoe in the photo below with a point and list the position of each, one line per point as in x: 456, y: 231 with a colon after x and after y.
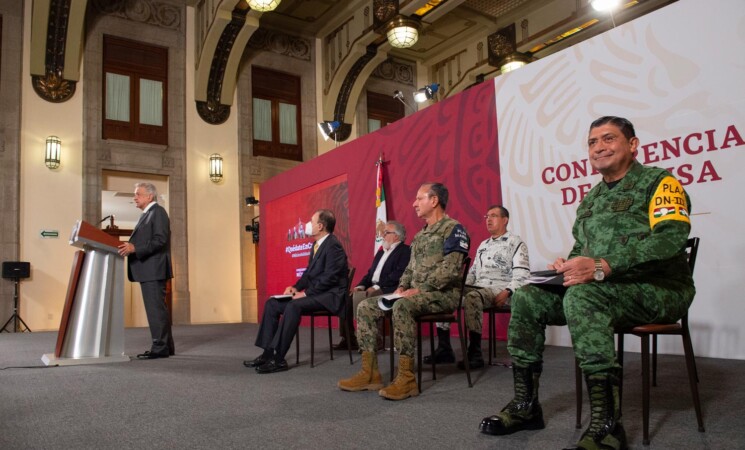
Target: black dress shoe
x: 150, y: 355
x: 256, y: 362
x: 342, y: 345
x: 442, y: 356
x: 273, y: 366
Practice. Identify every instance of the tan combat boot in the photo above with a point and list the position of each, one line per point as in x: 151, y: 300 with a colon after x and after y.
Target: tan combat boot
x: 367, y: 379
x: 404, y: 386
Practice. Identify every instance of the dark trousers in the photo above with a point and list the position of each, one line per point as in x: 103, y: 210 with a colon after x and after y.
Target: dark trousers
x: 280, y: 322
x: 154, y: 297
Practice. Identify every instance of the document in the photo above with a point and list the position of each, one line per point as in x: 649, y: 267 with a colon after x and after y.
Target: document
x: 282, y: 297
x: 546, y: 277
x: 386, y: 302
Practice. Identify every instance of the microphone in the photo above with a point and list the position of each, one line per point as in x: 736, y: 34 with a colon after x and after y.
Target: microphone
x: 106, y: 218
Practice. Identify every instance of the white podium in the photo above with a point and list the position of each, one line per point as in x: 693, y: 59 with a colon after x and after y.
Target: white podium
x: 92, y: 325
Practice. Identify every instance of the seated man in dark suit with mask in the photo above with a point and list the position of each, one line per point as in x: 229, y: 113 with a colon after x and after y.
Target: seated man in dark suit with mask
x: 323, y: 286
x: 387, y: 267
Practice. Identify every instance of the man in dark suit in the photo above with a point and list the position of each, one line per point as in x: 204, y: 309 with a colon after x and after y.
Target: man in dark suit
x: 323, y: 286
x: 148, y: 255
x: 382, y: 278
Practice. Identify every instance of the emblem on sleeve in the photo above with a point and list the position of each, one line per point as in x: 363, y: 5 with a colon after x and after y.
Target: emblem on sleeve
x: 668, y: 203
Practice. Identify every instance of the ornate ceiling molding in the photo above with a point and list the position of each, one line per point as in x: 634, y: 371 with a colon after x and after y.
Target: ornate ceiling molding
x: 164, y: 15
x: 346, y: 90
x: 392, y: 70
x: 280, y: 43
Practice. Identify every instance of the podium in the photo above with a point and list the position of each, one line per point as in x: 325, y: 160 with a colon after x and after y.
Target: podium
x: 92, y: 325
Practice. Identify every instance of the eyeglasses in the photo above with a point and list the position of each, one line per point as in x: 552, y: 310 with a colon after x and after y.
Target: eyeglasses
x: 492, y: 216
x: 389, y: 232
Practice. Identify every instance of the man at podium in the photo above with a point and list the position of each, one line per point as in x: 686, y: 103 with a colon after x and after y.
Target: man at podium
x: 148, y: 255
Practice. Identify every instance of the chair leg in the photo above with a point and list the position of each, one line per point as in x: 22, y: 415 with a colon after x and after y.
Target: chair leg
x: 464, y: 351
x: 347, y: 331
x: 693, y: 377
x: 390, y: 330
x: 432, y: 349
x: 331, y: 339
x: 492, y: 342
x: 312, y: 339
x: 654, y: 360
x: 619, y: 357
x: 297, y: 346
x: 578, y: 389
x: 418, y: 355
x: 645, y: 388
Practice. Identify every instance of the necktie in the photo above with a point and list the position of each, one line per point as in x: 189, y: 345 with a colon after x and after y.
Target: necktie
x: 315, y: 249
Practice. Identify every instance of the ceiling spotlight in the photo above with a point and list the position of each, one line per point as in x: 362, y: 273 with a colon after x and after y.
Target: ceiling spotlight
x: 402, y: 32
x: 426, y: 93
x: 263, y: 5
x: 329, y: 129
x: 513, y: 61
x: 605, y: 5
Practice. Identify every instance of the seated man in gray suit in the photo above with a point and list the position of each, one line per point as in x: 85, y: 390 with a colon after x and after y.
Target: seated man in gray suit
x: 323, y: 286
x: 387, y: 267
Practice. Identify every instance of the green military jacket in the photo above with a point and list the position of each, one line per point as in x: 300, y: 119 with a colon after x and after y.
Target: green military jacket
x: 437, y: 253
x: 640, y: 226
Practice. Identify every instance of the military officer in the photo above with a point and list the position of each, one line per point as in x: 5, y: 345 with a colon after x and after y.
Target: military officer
x: 627, y: 266
x: 429, y: 284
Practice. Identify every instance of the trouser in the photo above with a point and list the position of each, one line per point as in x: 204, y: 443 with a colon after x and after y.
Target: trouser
x: 404, y: 311
x: 280, y: 322
x: 357, y: 297
x: 592, y: 311
x: 474, y: 302
x: 154, y: 297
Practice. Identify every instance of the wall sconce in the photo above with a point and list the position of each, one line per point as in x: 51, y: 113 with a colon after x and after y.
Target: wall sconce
x: 53, y: 150
x: 402, y: 32
x: 263, y: 5
x: 513, y: 61
x: 215, y: 168
x: 426, y: 93
x: 328, y: 129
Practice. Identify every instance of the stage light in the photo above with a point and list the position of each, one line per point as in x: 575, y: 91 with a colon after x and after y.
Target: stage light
x: 605, y: 5
x: 252, y: 201
x: 403, y: 32
x: 329, y: 129
x: 263, y: 5
x: 426, y: 93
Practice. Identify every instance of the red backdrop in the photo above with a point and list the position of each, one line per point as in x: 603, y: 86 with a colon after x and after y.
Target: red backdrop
x: 453, y: 142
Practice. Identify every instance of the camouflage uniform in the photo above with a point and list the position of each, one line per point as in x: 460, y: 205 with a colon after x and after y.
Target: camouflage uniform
x: 649, y: 282
x: 437, y: 254
x: 500, y: 263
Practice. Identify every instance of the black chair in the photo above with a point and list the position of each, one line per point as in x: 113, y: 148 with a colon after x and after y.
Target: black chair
x: 492, y: 312
x: 433, y: 318
x: 645, y: 331
x: 345, y: 322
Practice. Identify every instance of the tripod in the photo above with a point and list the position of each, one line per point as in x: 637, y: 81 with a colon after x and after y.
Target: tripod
x: 15, y: 318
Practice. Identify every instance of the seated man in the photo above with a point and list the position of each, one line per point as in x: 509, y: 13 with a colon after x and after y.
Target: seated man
x: 628, y: 266
x: 323, y: 286
x: 382, y: 278
x: 430, y: 283
x: 500, y: 266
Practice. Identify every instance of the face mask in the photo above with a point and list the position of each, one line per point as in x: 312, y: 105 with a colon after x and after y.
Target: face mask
x: 309, y: 229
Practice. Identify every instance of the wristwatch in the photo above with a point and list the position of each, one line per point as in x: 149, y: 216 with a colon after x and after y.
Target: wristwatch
x: 598, y: 275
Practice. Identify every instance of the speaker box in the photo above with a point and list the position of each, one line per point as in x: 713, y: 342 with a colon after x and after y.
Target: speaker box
x: 16, y: 269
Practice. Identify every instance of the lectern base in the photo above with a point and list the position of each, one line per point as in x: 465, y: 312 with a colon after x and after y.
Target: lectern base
x: 50, y: 360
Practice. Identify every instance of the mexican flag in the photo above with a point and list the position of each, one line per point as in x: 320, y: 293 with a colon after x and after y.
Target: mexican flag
x: 381, y: 216
x: 665, y: 211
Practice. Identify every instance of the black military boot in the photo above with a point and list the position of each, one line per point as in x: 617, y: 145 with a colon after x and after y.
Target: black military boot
x: 444, y: 352
x: 475, y: 358
x: 605, y: 430
x: 523, y: 412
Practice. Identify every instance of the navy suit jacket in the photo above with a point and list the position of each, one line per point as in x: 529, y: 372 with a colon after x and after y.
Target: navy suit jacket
x: 392, y: 269
x: 326, y: 275
x: 151, y: 237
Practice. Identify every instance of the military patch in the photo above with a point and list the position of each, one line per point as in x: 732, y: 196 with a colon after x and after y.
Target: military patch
x: 622, y: 205
x: 668, y: 203
x: 458, y: 241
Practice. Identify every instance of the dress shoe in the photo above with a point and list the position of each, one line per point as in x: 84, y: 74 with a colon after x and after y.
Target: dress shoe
x: 342, y: 345
x: 257, y: 362
x: 150, y: 355
x: 273, y: 366
x: 473, y: 363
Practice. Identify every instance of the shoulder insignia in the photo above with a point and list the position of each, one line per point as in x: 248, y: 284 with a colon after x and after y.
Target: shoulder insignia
x: 668, y: 203
x: 458, y: 241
